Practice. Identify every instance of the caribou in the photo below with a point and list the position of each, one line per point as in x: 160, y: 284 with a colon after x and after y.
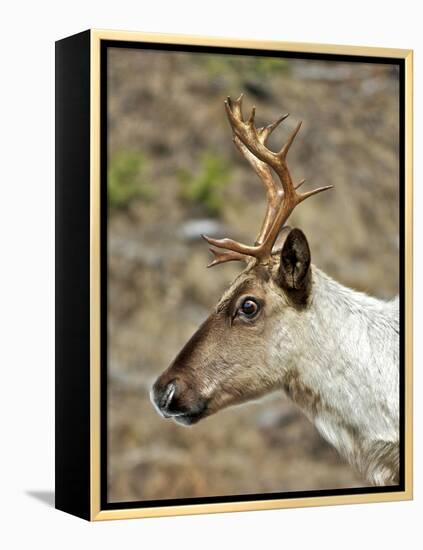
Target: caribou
x: 284, y: 325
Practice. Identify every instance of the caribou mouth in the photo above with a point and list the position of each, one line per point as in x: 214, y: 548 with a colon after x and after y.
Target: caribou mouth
x: 187, y: 419
x: 191, y: 417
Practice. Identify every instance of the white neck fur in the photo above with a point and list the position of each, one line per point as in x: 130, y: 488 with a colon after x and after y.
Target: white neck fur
x: 347, y: 375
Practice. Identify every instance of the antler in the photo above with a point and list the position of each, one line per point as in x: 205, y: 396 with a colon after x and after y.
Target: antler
x: 282, y: 196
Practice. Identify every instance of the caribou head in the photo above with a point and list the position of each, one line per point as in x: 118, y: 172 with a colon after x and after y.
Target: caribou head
x: 247, y: 347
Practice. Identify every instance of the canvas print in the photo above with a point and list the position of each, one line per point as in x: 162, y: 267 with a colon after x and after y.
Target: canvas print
x: 276, y: 370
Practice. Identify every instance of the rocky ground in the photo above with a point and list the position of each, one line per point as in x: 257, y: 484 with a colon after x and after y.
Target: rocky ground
x: 175, y: 174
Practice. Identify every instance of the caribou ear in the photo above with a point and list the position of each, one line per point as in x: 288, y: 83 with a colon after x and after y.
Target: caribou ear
x: 294, y: 266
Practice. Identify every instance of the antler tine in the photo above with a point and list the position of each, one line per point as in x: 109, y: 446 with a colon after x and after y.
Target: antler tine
x: 284, y: 151
x: 264, y: 133
x: 236, y: 105
x: 233, y: 246
x: 304, y: 196
x: 281, y: 201
x: 222, y: 257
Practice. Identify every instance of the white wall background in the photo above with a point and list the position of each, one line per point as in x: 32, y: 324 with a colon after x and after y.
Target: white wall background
x: 27, y: 37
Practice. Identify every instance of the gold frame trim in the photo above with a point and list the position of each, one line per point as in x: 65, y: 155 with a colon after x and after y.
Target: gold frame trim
x: 96, y: 513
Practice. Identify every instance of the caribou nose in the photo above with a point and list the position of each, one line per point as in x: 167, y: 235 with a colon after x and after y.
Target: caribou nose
x: 162, y: 397
x: 167, y: 396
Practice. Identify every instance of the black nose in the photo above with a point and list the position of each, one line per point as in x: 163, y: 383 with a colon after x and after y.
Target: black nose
x: 164, y: 397
x: 174, y: 398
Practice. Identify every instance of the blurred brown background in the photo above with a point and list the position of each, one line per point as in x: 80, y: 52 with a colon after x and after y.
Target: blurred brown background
x: 173, y: 174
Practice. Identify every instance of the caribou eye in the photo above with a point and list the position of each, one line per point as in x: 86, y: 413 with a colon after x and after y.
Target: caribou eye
x: 249, y: 308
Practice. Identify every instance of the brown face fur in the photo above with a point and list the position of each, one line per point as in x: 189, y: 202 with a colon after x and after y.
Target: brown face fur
x: 226, y: 361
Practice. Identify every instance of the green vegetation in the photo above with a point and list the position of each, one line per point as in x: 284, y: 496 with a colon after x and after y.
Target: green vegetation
x: 243, y: 67
x: 127, y: 179
x: 266, y: 66
x: 203, y: 188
